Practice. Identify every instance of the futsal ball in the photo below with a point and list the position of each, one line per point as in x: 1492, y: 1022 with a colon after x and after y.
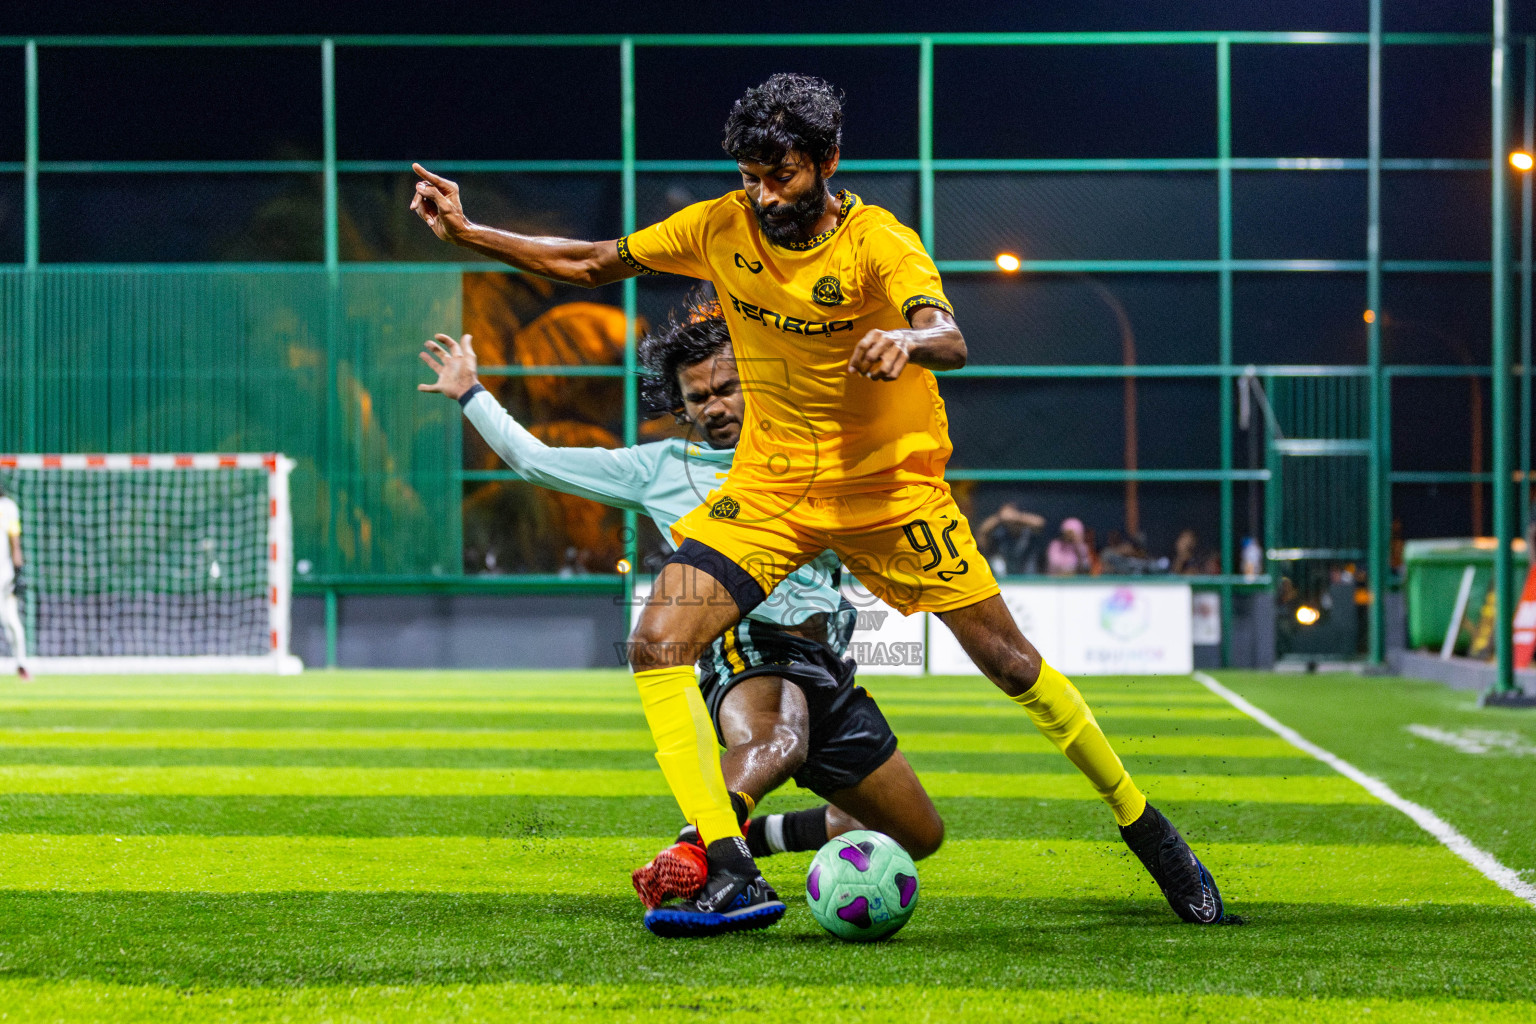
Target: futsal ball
x: 862, y: 886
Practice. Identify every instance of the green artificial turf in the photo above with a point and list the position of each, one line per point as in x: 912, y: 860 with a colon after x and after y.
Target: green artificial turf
x: 456, y: 846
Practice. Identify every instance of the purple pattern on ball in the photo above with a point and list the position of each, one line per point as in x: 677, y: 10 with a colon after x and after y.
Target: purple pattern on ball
x: 855, y: 856
x: 813, y: 884
x: 856, y: 913
x: 907, y: 884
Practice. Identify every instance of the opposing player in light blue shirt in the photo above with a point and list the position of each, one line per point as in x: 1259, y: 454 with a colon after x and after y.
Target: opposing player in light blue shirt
x: 781, y: 694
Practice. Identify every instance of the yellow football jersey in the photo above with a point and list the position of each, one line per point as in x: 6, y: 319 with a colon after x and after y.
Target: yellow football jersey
x: 795, y: 314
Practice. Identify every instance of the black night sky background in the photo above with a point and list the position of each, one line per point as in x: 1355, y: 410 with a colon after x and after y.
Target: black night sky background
x: 399, y: 104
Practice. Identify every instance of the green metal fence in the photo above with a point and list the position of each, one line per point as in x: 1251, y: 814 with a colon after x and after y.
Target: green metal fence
x: 315, y: 359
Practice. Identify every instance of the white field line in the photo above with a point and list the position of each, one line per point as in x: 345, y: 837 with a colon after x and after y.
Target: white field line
x: 1476, y: 741
x: 1486, y: 863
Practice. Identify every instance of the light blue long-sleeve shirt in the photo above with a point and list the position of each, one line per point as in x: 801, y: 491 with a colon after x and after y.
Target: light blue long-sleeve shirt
x: 664, y: 480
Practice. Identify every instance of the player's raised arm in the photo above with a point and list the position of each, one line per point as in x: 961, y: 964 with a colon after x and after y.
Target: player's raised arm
x: 588, y: 264
x: 613, y: 476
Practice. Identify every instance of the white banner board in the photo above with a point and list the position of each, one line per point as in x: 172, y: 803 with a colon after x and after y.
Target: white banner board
x: 1037, y: 610
x: 885, y: 642
x: 1087, y: 630
x: 1082, y: 629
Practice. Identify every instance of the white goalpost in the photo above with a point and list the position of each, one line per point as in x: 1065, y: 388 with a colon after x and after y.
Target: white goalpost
x: 154, y: 563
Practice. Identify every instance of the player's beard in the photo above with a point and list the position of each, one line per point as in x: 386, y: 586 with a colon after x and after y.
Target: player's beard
x: 792, y: 222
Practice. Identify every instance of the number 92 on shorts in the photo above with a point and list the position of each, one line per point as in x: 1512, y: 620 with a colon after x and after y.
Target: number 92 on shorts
x: 909, y: 545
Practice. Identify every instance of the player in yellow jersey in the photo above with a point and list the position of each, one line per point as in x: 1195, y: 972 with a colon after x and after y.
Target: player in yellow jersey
x: 838, y: 320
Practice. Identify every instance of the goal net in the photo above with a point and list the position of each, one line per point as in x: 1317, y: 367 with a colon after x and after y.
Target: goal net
x: 154, y: 563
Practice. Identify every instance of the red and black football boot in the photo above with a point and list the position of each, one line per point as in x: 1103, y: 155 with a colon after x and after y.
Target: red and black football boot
x: 681, y: 869
x: 677, y: 872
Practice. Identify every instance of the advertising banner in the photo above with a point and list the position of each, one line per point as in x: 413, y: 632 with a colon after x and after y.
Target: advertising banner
x: 1133, y: 629
x: 885, y: 642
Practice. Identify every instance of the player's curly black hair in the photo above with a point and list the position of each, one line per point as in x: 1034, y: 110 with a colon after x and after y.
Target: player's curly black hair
x: 789, y: 111
x: 687, y: 338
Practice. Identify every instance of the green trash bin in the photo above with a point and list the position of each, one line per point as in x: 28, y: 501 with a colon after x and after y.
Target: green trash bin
x: 1432, y: 576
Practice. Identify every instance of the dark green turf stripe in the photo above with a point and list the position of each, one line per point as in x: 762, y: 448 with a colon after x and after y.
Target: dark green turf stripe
x: 379, y: 719
x: 577, y: 817
x: 304, y: 939
x: 1137, y: 764
x: 434, y: 757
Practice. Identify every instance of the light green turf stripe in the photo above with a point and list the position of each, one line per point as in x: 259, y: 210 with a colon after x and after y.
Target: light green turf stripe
x: 1024, y: 742
x: 1365, y: 875
x: 340, y: 739
x: 530, y: 706
x: 225, y: 780
x: 899, y: 709
x: 542, y: 706
x: 38, y: 1001
x: 991, y: 696
x: 1031, y: 742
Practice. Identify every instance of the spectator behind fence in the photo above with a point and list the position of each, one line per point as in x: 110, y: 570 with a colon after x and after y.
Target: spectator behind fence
x: 1126, y: 555
x: 1068, y: 554
x: 1189, y: 559
x: 1186, y: 552
x: 1010, y: 538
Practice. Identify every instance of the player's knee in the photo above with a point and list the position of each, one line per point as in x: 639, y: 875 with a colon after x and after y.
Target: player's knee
x: 789, y: 745
x: 927, y: 838
x: 651, y: 646
x: 1014, y: 671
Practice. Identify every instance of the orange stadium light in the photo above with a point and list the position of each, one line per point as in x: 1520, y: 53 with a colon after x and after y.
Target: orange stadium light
x: 1307, y: 615
x: 1521, y: 160
x: 1007, y: 261
x: 622, y: 567
x: 1370, y: 316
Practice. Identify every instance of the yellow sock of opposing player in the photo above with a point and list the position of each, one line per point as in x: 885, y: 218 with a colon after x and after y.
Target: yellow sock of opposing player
x: 1059, y: 711
x: 687, y: 750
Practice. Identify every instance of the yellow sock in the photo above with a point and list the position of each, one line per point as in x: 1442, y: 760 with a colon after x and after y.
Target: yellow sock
x: 1059, y: 711
x: 687, y: 750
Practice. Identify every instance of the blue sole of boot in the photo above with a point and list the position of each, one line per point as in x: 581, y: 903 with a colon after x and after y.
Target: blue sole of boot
x: 680, y: 924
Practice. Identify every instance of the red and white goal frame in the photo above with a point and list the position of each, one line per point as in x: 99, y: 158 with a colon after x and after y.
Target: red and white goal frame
x: 267, y: 653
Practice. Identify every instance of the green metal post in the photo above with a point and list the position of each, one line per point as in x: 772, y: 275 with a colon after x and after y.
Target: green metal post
x: 631, y: 311
x: 1224, y: 199
x: 31, y: 434
x: 1503, y: 576
x: 333, y: 462
x: 1379, y: 496
x: 33, y: 251
x: 328, y: 114
x: 330, y: 627
x: 925, y: 140
x: 1525, y: 518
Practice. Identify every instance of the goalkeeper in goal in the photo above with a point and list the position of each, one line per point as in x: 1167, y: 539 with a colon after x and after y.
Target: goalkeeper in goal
x: 777, y: 686
x: 10, y: 581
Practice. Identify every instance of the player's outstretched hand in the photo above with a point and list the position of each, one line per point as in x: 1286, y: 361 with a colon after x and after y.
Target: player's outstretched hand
x: 453, y: 362
x: 881, y: 355
x: 437, y: 202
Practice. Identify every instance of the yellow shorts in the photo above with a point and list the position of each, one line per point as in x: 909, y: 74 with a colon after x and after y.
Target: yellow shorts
x: 909, y: 545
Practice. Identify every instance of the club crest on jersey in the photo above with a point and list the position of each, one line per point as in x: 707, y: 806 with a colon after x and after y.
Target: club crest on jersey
x: 725, y: 508
x: 828, y: 292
